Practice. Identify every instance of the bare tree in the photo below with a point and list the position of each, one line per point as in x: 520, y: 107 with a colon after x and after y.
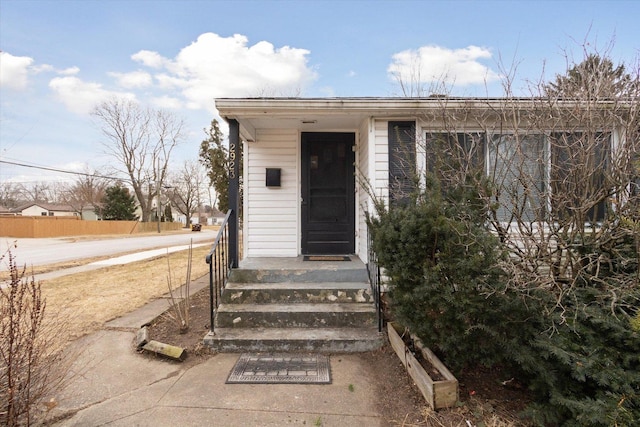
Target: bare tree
x: 37, y: 192
x: 9, y: 195
x: 563, y: 165
x: 186, y: 189
x: 87, y: 191
x: 141, y: 141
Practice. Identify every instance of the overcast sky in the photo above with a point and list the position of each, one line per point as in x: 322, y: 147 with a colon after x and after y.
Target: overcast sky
x: 60, y: 58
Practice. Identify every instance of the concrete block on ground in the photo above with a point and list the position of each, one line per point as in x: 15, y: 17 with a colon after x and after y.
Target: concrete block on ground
x: 167, y: 350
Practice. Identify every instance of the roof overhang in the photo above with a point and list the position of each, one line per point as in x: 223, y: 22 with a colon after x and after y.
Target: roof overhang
x: 347, y: 114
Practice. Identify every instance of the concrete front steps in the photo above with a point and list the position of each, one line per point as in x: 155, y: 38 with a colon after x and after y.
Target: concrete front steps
x: 290, y: 305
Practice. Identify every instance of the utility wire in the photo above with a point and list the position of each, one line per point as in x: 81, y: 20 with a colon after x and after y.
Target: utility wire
x: 58, y: 170
x: 70, y: 172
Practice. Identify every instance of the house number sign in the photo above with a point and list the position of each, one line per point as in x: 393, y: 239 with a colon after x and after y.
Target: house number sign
x: 232, y: 161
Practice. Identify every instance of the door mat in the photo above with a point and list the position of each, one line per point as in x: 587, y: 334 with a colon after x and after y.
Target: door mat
x: 326, y: 258
x: 270, y: 368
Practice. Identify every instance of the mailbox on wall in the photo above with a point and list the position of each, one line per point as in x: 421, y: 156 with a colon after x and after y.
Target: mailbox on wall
x: 273, y: 177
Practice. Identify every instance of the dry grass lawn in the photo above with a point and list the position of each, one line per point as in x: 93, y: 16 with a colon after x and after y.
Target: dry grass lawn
x: 90, y: 299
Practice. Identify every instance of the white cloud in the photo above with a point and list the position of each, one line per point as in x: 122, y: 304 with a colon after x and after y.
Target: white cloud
x: 134, y: 79
x: 71, y: 71
x: 44, y: 68
x: 149, y: 58
x: 167, y: 102
x: 168, y: 82
x: 75, y: 166
x: 82, y: 97
x: 434, y: 64
x: 14, y: 71
x: 215, y: 66
x: 210, y: 67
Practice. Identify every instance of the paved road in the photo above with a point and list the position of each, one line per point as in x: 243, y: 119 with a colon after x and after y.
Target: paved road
x: 33, y: 252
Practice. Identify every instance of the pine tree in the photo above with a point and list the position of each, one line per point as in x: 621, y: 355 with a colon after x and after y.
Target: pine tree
x: 168, y: 214
x: 118, y: 204
x: 215, y: 157
x: 593, y: 78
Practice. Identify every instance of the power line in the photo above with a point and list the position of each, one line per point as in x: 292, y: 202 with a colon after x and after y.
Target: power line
x: 177, y: 181
x: 46, y: 168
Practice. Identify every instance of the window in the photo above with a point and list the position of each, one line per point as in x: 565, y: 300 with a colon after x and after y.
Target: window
x: 402, y: 161
x: 43, y: 213
x: 454, y: 153
x: 518, y: 164
x: 578, y: 173
x: 537, y: 176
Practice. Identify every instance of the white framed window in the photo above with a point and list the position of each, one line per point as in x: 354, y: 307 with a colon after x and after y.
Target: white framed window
x: 537, y: 176
x: 519, y: 167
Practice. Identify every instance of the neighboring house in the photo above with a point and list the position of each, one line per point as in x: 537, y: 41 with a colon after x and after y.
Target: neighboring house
x: 45, y: 209
x: 311, y: 165
x: 215, y: 217
x: 206, y: 216
x: 89, y: 213
x: 4, y: 211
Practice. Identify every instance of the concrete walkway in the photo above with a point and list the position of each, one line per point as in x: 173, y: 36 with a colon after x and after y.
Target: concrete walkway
x: 119, y: 260
x: 113, y: 385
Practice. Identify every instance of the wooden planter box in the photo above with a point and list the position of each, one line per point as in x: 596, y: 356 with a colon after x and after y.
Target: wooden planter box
x: 439, y: 393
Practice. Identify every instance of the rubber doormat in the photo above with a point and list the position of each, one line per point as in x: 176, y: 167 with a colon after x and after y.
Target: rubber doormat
x: 326, y: 258
x: 270, y: 368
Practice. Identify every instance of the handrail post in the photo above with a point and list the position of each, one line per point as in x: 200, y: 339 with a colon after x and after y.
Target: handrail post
x: 373, y: 270
x: 211, y: 291
x: 219, y: 266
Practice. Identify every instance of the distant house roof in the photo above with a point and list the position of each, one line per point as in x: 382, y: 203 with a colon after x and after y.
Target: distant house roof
x: 215, y: 212
x: 46, y: 206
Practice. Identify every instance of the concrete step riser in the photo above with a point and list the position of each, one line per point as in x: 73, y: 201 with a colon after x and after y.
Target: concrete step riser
x: 337, y: 340
x: 301, y: 276
x: 292, y: 296
x: 305, y: 319
x: 320, y: 346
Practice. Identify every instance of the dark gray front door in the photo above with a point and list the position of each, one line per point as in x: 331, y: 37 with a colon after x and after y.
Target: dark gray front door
x: 328, y: 199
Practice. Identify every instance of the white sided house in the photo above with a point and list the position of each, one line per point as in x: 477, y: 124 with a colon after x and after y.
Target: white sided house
x: 310, y: 165
x: 46, y: 209
x: 310, y: 171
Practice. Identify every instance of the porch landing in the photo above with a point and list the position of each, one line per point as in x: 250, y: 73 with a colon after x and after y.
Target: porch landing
x: 298, y: 263
x: 289, y: 304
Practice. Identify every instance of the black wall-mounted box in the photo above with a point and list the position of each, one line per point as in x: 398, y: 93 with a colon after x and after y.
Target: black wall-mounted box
x: 273, y: 177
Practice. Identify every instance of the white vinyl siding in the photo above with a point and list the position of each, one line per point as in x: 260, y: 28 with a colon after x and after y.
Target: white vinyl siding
x: 363, y: 200
x: 380, y: 157
x: 271, y: 214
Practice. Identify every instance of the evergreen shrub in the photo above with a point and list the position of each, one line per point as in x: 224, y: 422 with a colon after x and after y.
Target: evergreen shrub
x: 574, y: 342
x: 445, y: 280
x: 588, y: 369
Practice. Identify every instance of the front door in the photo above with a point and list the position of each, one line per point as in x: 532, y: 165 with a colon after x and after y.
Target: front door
x: 328, y: 198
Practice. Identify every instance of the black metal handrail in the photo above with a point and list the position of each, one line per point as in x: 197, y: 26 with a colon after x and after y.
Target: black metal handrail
x: 373, y: 269
x: 219, y: 267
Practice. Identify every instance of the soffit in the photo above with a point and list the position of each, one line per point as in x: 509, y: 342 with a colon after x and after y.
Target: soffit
x: 347, y: 114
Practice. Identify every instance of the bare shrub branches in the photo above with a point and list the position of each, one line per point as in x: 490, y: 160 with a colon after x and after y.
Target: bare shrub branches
x: 180, y: 304
x: 31, y: 361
